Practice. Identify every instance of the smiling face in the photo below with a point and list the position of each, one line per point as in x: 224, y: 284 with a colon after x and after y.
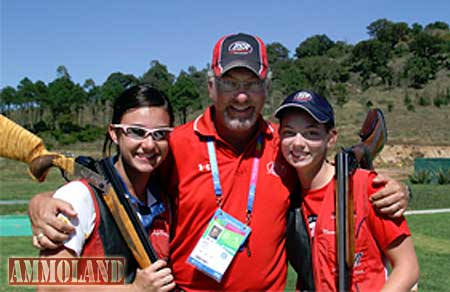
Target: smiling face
x: 238, y: 98
x: 142, y: 156
x: 304, y: 141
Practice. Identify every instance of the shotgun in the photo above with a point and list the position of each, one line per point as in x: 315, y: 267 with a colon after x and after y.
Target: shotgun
x: 19, y: 144
x: 373, y: 136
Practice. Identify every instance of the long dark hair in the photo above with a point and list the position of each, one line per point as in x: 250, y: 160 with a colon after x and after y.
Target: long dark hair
x: 136, y: 97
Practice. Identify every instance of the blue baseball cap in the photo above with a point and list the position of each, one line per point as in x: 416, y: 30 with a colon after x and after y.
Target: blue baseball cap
x: 317, y: 106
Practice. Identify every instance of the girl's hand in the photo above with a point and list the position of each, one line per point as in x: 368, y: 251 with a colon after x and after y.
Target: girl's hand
x: 156, y: 277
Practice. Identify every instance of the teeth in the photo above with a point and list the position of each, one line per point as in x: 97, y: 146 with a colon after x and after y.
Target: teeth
x: 149, y: 156
x: 241, y: 109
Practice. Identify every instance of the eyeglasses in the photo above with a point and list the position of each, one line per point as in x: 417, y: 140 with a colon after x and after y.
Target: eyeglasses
x: 233, y: 85
x: 141, y: 133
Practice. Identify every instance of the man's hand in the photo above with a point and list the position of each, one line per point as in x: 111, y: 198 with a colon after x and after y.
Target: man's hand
x: 156, y: 277
x: 393, y: 199
x: 49, y: 231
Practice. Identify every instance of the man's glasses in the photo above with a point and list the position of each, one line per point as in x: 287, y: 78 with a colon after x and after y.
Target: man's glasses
x: 234, y: 85
x: 141, y: 133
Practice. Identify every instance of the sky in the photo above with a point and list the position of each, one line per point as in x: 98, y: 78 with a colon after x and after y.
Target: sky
x: 94, y: 38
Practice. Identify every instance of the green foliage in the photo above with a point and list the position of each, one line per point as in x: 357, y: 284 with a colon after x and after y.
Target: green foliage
x: 421, y: 177
x: 371, y: 57
x: 340, y: 94
x: 41, y: 126
x: 426, y: 45
x: 410, y: 107
x: 416, y: 28
x: 437, y: 101
x: 159, y: 77
x: 288, y: 77
x: 321, y: 73
x: 316, y: 45
x: 8, y: 98
x: 419, y: 70
x: 407, y: 99
x: 184, y: 96
x: 423, y: 99
x: 340, y: 49
x: 90, y: 133
x: 437, y: 25
x: 409, y: 57
x: 443, y: 176
x: 277, y: 53
x: 388, y: 32
x: 390, y: 107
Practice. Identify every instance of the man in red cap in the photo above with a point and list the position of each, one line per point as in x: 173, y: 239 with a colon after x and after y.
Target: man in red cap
x: 226, y: 161
x: 225, y: 172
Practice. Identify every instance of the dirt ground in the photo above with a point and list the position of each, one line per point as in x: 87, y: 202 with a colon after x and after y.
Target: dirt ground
x: 397, y: 161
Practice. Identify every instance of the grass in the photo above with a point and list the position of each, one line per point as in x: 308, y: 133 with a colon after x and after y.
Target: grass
x: 431, y: 196
x: 430, y: 234
x: 431, y: 238
x: 17, y: 184
x: 17, y: 247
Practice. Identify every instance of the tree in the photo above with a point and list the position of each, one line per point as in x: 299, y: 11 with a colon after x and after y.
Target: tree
x: 277, y: 53
x: 339, y: 50
x: 41, y: 100
x: 114, y: 85
x: 419, y: 70
x: 159, y: 77
x: 199, y: 78
x: 288, y: 79
x: 8, y: 99
x: 184, y: 96
x: 416, y: 28
x: 316, y: 45
x: 388, y: 32
x: 64, y: 98
x: 26, y: 94
x: 437, y: 25
x: 321, y: 73
x: 371, y: 57
x: 93, y: 96
x: 62, y: 72
x: 426, y: 45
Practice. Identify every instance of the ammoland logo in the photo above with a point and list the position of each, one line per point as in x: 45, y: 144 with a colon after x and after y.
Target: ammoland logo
x: 66, y: 271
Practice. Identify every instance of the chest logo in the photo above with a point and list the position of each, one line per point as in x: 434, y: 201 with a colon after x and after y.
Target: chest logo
x: 204, y: 167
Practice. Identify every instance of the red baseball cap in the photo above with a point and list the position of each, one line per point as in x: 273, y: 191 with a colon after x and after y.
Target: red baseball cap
x: 240, y: 50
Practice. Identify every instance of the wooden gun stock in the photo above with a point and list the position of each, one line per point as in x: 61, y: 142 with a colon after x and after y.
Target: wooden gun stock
x: 130, y: 226
x: 373, y: 136
x: 19, y: 144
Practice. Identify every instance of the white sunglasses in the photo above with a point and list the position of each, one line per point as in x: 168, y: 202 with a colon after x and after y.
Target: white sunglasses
x: 141, y: 133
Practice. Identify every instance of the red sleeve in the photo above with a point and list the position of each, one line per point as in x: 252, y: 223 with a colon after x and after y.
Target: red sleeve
x: 385, y: 230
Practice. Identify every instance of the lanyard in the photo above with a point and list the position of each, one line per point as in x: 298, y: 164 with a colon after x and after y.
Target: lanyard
x: 146, y: 213
x: 253, y: 178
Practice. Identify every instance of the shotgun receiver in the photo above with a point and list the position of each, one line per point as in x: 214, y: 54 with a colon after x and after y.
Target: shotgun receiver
x: 17, y: 143
x: 373, y: 136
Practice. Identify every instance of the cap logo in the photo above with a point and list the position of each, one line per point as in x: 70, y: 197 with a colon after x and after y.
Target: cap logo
x: 240, y: 48
x: 302, y: 96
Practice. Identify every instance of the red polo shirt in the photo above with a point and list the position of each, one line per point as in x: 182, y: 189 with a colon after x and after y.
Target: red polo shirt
x: 195, y: 203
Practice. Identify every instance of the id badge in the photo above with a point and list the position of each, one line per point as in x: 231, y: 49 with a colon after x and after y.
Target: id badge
x: 218, y: 245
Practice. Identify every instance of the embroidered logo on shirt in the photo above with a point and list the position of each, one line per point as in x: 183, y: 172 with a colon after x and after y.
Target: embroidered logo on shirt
x: 204, y: 167
x: 275, y: 169
x: 358, y: 257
